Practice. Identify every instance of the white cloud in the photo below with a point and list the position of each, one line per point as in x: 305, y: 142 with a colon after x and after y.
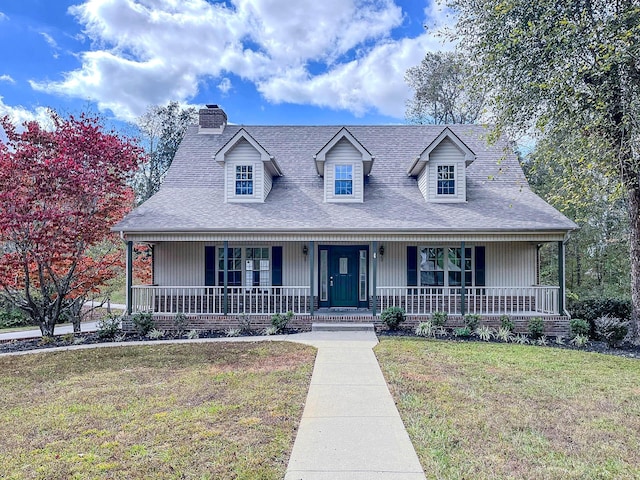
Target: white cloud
x: 225, y: 85
x: 3, y: 16
x: 7, y: 78
x: 18, y: 115
x: 151, y: 51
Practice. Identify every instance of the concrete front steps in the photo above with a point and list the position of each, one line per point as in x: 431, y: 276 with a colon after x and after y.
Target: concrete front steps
x: 342, y: 327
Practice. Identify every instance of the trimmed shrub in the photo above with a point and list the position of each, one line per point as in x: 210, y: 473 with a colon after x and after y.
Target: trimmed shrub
x: 392, y: 317
x: 142, y: 322
x: 108, y: 327
x: 462, y: 332
x: 612, y: 330
x: 578, y: 326
x: 536, y: 327
x: 506, y: 323
x: 590, y: 309
x: 180, y: 323
x: 438, y: 319
x: 471, y: 321
x: 426, y: 329
x: 280, y: 321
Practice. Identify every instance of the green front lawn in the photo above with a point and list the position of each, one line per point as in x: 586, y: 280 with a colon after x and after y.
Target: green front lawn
x: 498, y: 411
x: 198, y: 411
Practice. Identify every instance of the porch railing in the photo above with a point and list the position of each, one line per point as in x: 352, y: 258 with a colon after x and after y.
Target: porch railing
x: 480, y: 300
x: 210, y: 300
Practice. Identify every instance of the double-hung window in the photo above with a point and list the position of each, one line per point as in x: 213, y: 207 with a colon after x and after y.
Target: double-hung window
x: 343, y: 180
x: 234, y: 267
x: 257, y: 267
x: 244, y: 179
x: 442, y: 266
x: 446, y: 180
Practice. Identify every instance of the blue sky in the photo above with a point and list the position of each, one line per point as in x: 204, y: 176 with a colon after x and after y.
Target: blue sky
x: 263, y: 61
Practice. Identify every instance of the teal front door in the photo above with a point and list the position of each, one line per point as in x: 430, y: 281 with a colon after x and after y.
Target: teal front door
x: 343, y: 276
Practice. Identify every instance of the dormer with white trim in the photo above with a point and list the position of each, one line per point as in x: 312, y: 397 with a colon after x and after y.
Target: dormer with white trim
x: 343, y: 162
x: 248, y: 169
x: 441, y: 169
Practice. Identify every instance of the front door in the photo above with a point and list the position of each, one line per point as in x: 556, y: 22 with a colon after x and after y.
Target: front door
x: 343, y: 276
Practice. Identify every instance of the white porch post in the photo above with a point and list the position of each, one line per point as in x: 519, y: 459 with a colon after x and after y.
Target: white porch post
x: 463, y: 289
x: 225, y: 278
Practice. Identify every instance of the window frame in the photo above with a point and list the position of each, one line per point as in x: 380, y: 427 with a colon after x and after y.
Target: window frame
x: 343, y: 180
x: 446, y: 180
x: 244, y: 180
x: 443, y: 273
x: 237, y: 274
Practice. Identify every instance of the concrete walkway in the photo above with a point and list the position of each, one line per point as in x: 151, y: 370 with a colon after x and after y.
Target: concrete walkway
x: 350, y: 427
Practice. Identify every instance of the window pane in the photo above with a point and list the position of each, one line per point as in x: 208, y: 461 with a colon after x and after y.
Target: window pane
x: 343, y: 180
x: 324, y: 288
x: 446, y: 180
x: 344, y: 265
x: 363, y: 276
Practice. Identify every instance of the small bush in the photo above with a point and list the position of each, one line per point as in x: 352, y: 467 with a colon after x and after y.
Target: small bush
x: 270, y: 330
x: 192, y: 334
x: 155, y: 334
x: 180, y: 323
x: 504, y: 334
x: 580, y: 340
x: 142, y: 322
x: 439, y: 319
x: 542, y: 341
x: 392, y: 317
x: 280, y: 321
x: 244, y: 321
x: 559, y: 340
x: 590, y: 309
x: 462, y: 332
x: 578, y: 326
x: 471, y: 321
x: 233, y: 332
x: 521, y: 339
x: 47, y: 340
x: 108, y: 327
x: 536, y: 327
x: 506, y: 323
x: 484, y: 333
x: 426, y: 329
x: 10, y: 316
x: 68, y: 337
x: 612, y: 330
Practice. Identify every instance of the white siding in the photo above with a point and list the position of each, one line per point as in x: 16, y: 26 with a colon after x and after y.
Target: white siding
x: 179, y: 263
x: 243, y: 153
x: 343, y: 153
x: 182, y: 263
x: 423, y: 182
x: 446, y: 154
x: 268, y: 183
x: 510, y: 264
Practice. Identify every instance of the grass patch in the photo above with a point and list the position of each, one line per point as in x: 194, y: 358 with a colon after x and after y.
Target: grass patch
x: 203, y: 411
x: 497, y: 411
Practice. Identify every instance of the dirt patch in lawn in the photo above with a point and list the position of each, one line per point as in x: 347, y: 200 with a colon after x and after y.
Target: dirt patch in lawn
x: 212, y: 410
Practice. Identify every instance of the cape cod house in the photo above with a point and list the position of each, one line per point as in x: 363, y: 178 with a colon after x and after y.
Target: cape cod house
x: 326, y: 221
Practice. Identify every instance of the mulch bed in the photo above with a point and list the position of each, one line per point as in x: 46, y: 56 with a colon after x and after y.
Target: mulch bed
x: 92, y: 338
x: 623, y: 350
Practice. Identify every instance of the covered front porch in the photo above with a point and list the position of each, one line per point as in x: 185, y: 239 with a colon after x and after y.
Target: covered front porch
x: 338, y: 277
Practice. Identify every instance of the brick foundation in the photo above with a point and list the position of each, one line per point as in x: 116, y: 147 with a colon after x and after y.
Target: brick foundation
x: 553, y: 325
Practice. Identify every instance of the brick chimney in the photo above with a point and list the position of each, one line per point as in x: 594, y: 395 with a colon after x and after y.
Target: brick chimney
x: 212, y: 119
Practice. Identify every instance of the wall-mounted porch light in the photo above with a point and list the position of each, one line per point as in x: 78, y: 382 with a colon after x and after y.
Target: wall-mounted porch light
x: 381, y: 250
x: 305, y: 250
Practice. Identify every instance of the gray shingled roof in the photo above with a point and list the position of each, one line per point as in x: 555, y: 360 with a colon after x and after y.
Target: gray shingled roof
x: 192, y: 196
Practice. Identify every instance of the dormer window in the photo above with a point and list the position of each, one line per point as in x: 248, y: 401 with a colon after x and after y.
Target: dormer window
x: 344, y: 179
x: 446, y: 180
x: 244, y: 180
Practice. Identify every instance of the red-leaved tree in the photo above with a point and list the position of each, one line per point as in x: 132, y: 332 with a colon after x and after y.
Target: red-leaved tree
x: 60, y: 192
